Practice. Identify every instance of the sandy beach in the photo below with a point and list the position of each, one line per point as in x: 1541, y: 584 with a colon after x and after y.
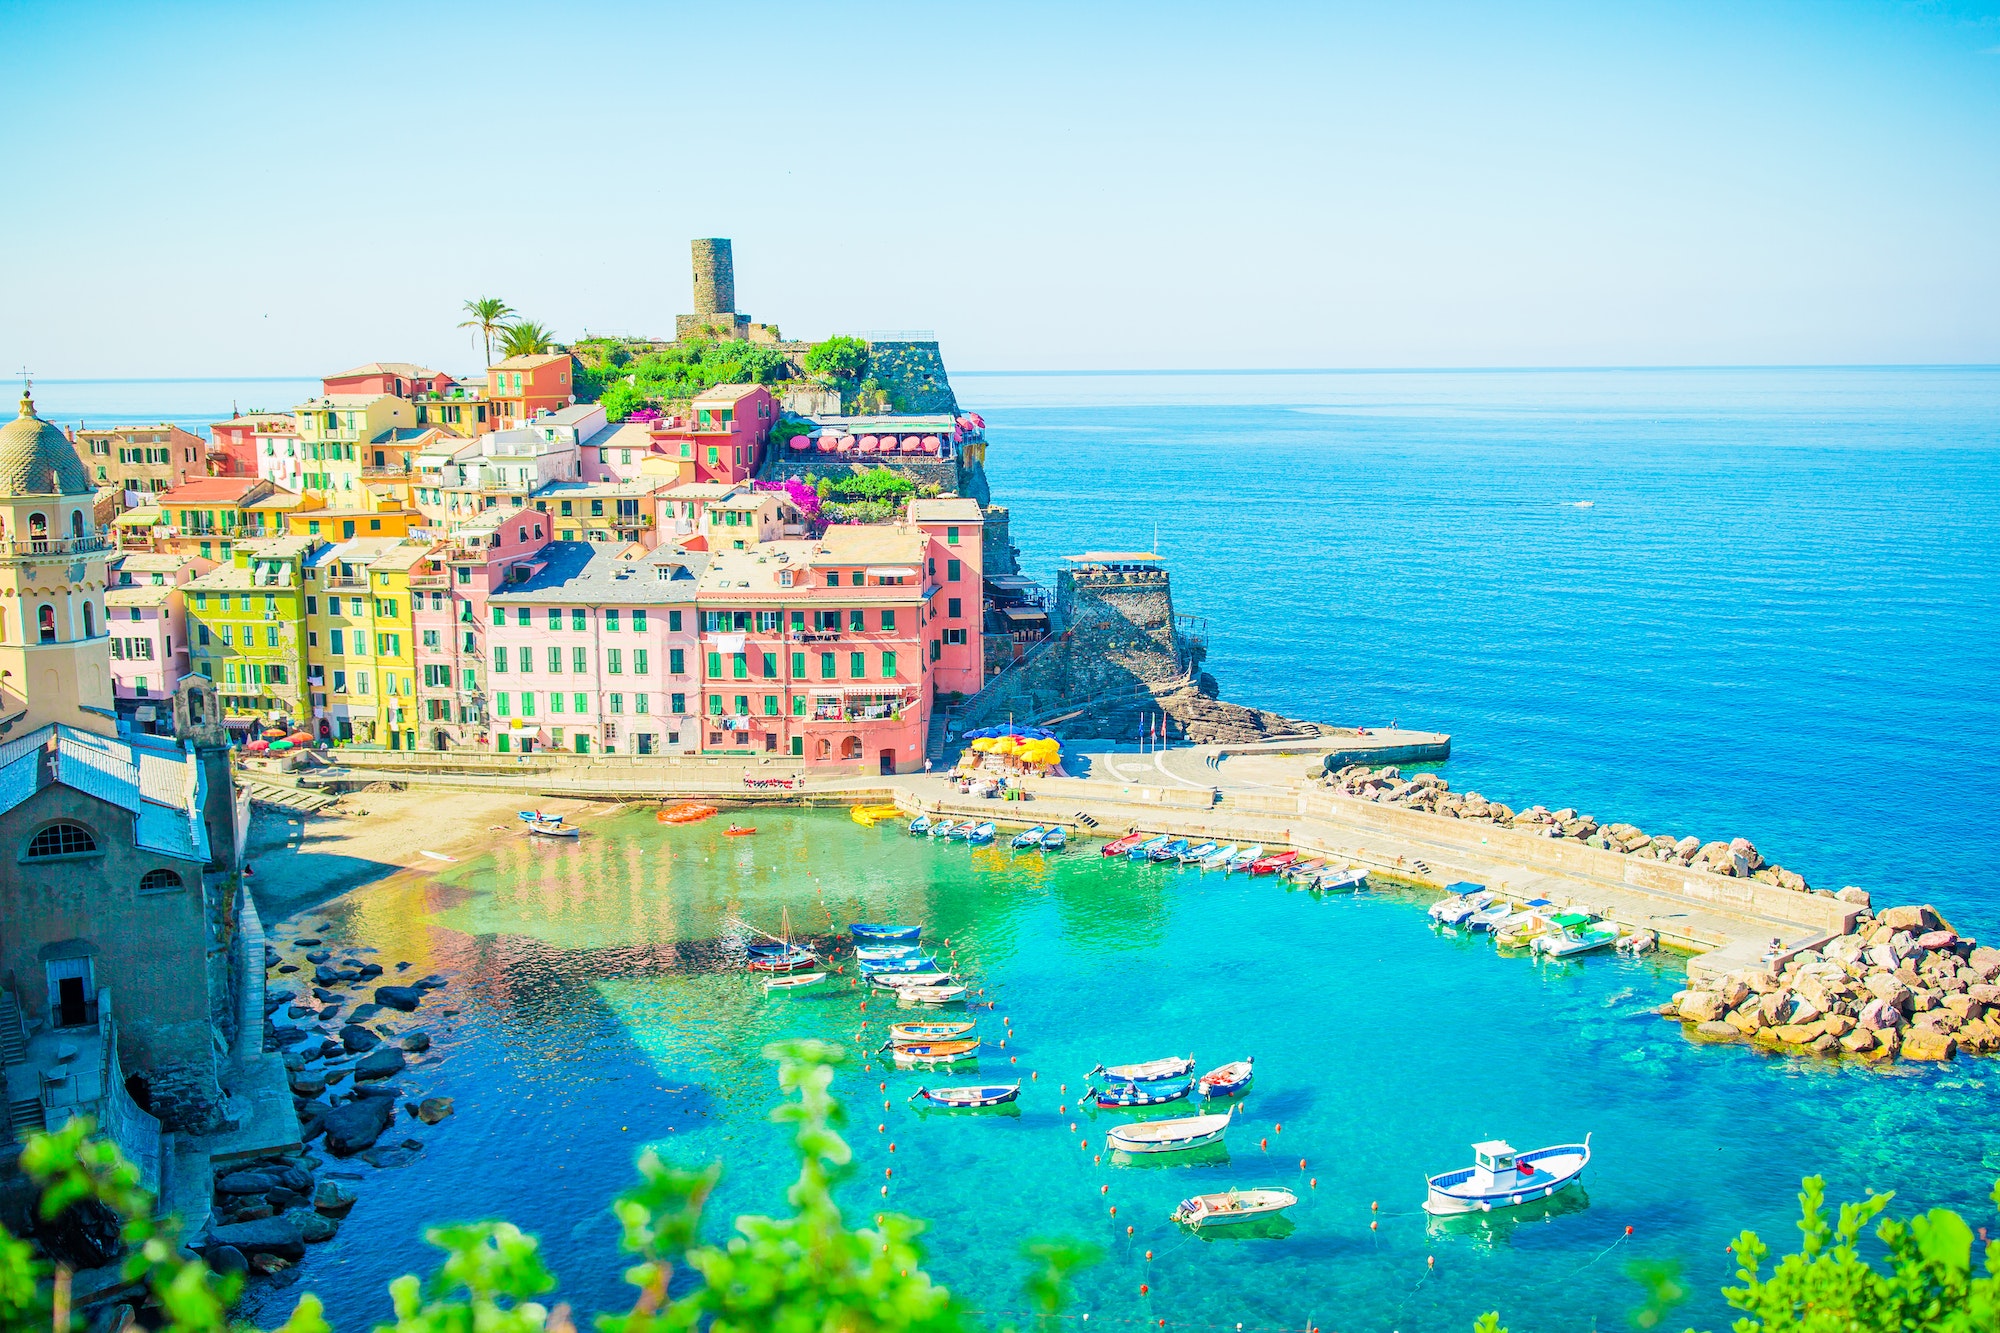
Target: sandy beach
x: 300, y: 861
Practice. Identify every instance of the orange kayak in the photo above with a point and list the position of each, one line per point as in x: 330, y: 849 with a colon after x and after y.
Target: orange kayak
x: 738, y: 832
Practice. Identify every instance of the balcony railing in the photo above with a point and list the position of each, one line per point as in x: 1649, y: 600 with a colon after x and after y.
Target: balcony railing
x: 56, y: 546
x: 814, y: 636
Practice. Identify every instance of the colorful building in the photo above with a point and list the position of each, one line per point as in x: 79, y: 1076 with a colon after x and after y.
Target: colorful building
x: 954, y: 584
x: 521, y: 387
x: 55, y: 657
x: 145, y: 617
x: 262, y: 444
x: 502, y: 470
x: 594, y: 652
x: 246, y: 621
x: 480, y: 557
x: 399, y: 379
x: 618, y: 453
x: 815, y: 649
x: 335, y: 433
x: 603, y: 511
x: 361, y: 643
x: 723, y: 436
x: 142, y: 458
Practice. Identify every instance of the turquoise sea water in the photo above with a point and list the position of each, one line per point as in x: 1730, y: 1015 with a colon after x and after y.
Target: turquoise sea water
x: 1774, y: 618
x: 600, y: 1016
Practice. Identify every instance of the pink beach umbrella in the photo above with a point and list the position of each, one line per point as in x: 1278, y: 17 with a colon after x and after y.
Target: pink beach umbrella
x: 800, y: 443
x: 930, y: 444
x: 869, y: 444
x: 846, y: 445
x: 826, y: 443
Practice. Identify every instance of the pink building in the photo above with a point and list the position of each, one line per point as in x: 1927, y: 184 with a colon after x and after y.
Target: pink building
x: 618, y: 453
x: 954, y: 582
x: 147, y: 625
x: 401, y: 379
x: 723, y: 437
x: 594, y: 652
x: 448, y: 592
x: 815, y: 650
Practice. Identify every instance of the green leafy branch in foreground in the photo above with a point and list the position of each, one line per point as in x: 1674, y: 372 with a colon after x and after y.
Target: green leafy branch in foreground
x: 1830, y: 1287
x: 801, y: 1273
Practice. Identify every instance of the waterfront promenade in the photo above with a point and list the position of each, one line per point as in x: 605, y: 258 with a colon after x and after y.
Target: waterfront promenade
x: 1256, y: 794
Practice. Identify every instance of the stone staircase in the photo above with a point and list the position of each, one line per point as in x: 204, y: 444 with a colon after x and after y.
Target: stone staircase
x: 23, y: 1117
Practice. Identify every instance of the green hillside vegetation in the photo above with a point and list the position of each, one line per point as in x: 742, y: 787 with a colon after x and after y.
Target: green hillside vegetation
x: 611, y: 374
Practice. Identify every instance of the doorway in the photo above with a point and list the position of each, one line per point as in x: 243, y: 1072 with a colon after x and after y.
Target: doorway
x: 888, y: 761
x: 72, y: 1010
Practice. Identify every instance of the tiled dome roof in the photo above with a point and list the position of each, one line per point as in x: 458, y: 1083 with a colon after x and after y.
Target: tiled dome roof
x: 38, y: 459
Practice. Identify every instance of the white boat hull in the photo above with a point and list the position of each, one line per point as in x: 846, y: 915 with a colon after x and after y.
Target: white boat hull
x: 1151, y: 1136
x: 1465, y: 1191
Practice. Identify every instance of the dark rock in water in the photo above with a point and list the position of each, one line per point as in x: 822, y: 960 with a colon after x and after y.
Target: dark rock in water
x: 307, y: 943
x: 111, y: 1318
x: 367, y: 970
x: 285, y: 1200
x: 271, y: 1235
x: 363, y: 1012
x: 227, y: 1259
x: 405, y: 998
x: 325, y: 975
x: 402, y: 967
x: 279, y: 995
x: 385, y: 1063
x: 416, y: 1041
x: 389, y: 1157
x: 312, y: 1120
x: 318, y: 956
x: 435, y: 981
x: 247, y: 1182
x: 353, y: 1126
x: 288, y: 967
x: 332, y: 1198
x: 269, y: 1263
x: 85, y: 1235
x: 449, y: 1013
x: 354, y: 1037
x: 313, y: 1228
x: 433, y: 1109
x: 289, y: 1036
x: 326, y: 996
x: 329, y: 1047
x: 296, y: 1178
x: 256, y: 1212
x: 390, y: 1090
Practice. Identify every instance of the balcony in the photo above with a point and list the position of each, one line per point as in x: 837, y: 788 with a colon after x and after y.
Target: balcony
x: 373, y: 473
x: 814, y: 636
x: 56, y: 546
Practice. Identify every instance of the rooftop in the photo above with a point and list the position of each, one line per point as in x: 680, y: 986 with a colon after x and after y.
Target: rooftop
x: 703, y: 490
x: 926, y: 423
x: 574, y: 414
x: 1115, y: 557
x: 869, y: 544
x: 570, y: 489
x: 280, y: 548
x: 948, y: 510
x: 408, y: 370
x: 262, y: 421
x: 624, y: 435
x: 150, y: 562
x: 346, y: 400
x: 140, y: 594
x: 726, y: 393
x: 158, y: 784
x: 612, y: 573
x: 213, y: 491
x: 530, y: 362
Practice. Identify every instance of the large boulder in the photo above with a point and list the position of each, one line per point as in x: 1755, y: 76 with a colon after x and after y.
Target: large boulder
x: 270, y: 1235
x: 1984, y: 961
x: 1926, y: 1044
x: 309, y: 1082
x: 1701, y: 1006
x: 433, y: 1109
x: 313, y: 1228
x: 405, y: 998
x: 248, y: 1182
x: 1889, y: 989
x: 354, y: 1126
x: 1937, y: 939
x: 1734, y: 991
x: 1846, y: 949
x: 385, y: 1063
x: 1880, y: 1016
x: 332, y: 1198
x: 1914, y: 919
x: 356, y: 1038
x: 1858, y: 1042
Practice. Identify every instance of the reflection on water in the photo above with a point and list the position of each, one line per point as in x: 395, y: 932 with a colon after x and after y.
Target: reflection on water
x: 599, y: 1015
x: 1498, y: 1227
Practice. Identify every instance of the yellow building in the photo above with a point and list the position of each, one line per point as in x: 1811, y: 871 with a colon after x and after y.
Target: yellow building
x: 339, y: 437
x: 55, y: 653
x: 245, y: 623
x: 361, y: 642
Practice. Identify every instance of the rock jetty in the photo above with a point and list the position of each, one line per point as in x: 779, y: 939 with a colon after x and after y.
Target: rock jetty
x: 1902, y: 985
x: 1738, y: 858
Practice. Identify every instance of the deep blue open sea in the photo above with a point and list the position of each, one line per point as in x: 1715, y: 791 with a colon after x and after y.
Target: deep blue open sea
x: 1736, y: 602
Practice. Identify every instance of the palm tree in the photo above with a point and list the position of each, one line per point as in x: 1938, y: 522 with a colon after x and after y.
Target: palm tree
x: 525, y: 338
x: 489, y: 313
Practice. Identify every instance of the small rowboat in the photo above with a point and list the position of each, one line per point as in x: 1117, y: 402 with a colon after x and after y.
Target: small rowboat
x: 920, y: 825
x: 1029, y: 837
x: 1339, y: 881
x: 1114, y: 1095
x: 939, y: 1053
x: 1220, y: 858
x: 1303, y: 871
x: 962, y: 832
x: 1172, y: 851
x: 1194, y: 856
x: 1501, y: 1178
x: 797, y: 981
x: 1215, y: 1210
x: 871, y: 952
x: 1227, y: 1080
x: 915, y: 962
x: 905, y: 980
x: 544, y: 829
x: 980, y: 833
x: 916, y: 996
x: 1246, y: 858
x: 1120, y: 846
x: 1271, y: 865
x: 993, y: 1094
x: 1147, y: 1071
x: 537, y: 817
x: 942, y: 829
x: 1055, y: 839
x: 767, y: 950
x: 687, y: 812
x: 1194, y: 1131
x: 954, y: 1048
x: 1144, y: 851
x: 796, y: 961
x: 868, y: 930
x: 903, y: 1034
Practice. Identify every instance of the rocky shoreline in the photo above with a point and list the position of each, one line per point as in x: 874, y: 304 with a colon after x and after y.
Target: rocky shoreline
x: 1903, y: 984
x: 1738, y: 858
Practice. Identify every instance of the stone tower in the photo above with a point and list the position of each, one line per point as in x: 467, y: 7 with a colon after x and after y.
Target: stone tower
x: 714, y: 277
x: 198, y: 726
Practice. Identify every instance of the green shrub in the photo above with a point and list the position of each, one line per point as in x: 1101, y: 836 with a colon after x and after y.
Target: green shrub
x: 620, y: 399
x: 838, y: 358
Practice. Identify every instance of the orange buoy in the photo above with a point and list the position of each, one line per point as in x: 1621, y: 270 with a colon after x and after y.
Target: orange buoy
x: 1302, y: 1163
x: 881, y: 1129
x: 885, y: 1194
x: 1375, y: 1207
x: 885, y: 1087
x: 1628, y: 1231
x: 1033, y: 1076
x: 1143, y: 1289
x: 1114, y: 1210
x: 1012, y: 1059
x: 1313, y: 1183
x: 1062, y: 1110
x: 1374, y: 1226
x: 1104, y: 1189
x: 1277, y: 1129
x: 1431, y: 1261
x: 1265, y: 1144
x: 1128, y: 1231
x: 888, y: 1171
x: 1149, y: 1255
x: 1096, y: 1160
x: 892, y: 1147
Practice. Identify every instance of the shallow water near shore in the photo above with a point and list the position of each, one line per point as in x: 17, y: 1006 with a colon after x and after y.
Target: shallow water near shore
x: 600, y: 1016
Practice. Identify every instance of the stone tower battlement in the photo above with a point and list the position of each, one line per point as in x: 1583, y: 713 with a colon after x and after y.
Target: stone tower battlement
x: 714, y: 277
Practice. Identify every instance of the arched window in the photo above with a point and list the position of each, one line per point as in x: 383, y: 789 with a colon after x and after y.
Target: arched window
x: 159, y: 881
x: 89, y: 622
x: 60, y: 840
x: 45, y: 619
x: 38, y: 531
x: 76, y: 523
x: 851, y: 748
x: 825, y: 748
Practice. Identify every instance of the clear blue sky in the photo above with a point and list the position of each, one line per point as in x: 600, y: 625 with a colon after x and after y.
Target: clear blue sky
x: 284, y: 188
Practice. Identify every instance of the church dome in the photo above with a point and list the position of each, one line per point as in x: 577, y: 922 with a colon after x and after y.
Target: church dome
x: 38, y: 459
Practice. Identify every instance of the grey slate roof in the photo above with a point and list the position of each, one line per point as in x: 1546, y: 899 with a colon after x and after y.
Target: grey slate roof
x: 161, y: 788
x: 598, y: 572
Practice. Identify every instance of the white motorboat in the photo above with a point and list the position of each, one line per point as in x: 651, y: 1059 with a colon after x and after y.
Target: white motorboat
x: 1148, y: 1071
x: 797, y: 981
x: 897, y: 981
x: 1246, y: 858
x: 1491, y: 917
x: 1501, y: 1178
x: 1194, y: 1131
x: 1219, y: 858
x: 1029, y: 838
x: 1573, y: 933
x: 1464, y: 899
x: 1214, y: 1210
x: 1638, y: 942
x: 910, y: 997
x: 1195, y: 856
x: 1341, y: 881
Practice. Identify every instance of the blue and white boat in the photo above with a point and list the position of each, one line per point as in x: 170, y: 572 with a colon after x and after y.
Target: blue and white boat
x: 1147, y: 1071
x: 1499, y: 1177
x: 942, y: 829
x: 900, y: 981
x: 963, y: 833
x: 1145, y: 850
x: 1228, y: 1080
x: 990, y: 1094
x: 874, y: 931
x: 915, y: 962
x: 1246, y: 858
x: 1172, y: 851
x: 1029, y: 837
x: 1220, y: 858
x: 980, y: 833
x: 1464, y: 899
x: 1113, y: 1095
x: 920, y: 826
x: 1055, y: 839
x: 1194, y: 856
x: 871, y: 952
x: 1339, y: 881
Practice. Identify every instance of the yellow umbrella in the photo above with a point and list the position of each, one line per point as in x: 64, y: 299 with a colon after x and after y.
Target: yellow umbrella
x: 984, y: 744
x: 1004, y: 745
